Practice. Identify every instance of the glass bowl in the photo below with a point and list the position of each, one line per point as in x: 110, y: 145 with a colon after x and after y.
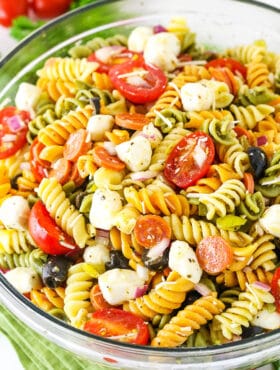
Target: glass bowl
x: 221, y: 23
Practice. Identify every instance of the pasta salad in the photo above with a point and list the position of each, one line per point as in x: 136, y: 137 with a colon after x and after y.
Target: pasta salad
x: 140, y: 188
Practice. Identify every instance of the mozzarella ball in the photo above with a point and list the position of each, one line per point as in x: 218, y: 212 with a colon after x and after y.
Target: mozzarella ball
x: 105, y: 206
x: 197, y: 96
x: 267, y: 320
x: 138, y: 38
x: 119, y: 285
x: 162, y: 50
x: 98, y: 125
x: 27, y: 96
x: 270, y: 221
x: 24, y: 279
x: 135, y: 153
x: 182, y: 259
x: 14, y: 213
x: 97, y: 254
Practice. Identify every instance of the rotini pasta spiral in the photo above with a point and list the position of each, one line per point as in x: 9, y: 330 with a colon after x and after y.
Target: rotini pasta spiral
x: 33, y: 258
x: 64, y: 213
x: 224, y: 199
x: 249, y: 116
x: 76, y: 301
x: 165, y: 298
x: 58, y: 132
x: 242, y: 311
x: 248, y: 53
x: 47, y: 298
x: 57, y: 88
x: 193, y: 231
x: 191, y: 318
x: 258, y: 75
x: 15, y: 241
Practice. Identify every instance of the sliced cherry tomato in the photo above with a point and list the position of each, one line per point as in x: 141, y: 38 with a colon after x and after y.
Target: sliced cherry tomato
x: 109, y: 56
x: 13, y: 129
x: 61, y: 170
x: 76, y: 145
x: 249, y: 182
x: 50, y: 8
x: 132, y: 121
x: 9, y: 10
x: 97, y: 300
x: 275, y: 288
x: 150, y: 230
x: 47, y: 234
x: 190, y: 159
x: 214, y: 254
x: 138, y: 82
x: 39, y: 167
x: 103, y: 159
x: 119, y: 325
x: 235, y: 66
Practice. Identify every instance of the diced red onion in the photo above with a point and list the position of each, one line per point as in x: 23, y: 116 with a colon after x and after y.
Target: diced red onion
x: 157, y: 250
x: 140, y: 291
x: 25, y: 166
x: 102, y: 236
x: 104, y: 54
x: 159, y: 28
x: 202, y: 289
x: 8, y: 138
x: 143, y: 175
x: 110, y: 147
x: 263, y: 286
x: 15, y: 123
x: 261, y: 140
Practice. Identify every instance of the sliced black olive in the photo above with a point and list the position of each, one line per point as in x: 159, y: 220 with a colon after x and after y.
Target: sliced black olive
x: 117, y: 260
x: 251, y: 331
x: 55, y: 270
x: 191, y: 297
x: 258, y: 161
x: 276, y: 242
x: 158, y: 263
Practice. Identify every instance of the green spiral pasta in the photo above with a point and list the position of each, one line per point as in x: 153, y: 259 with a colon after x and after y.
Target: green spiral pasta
x: 252, y: 206
x: 224, y: 200
x: 220, y: 131
x: 34, y: 258
x: 168, y: 118
x: 254, y: 96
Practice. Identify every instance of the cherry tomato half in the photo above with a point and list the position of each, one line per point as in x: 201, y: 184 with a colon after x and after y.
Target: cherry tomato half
x: 214, y: 254
x: 190, y: 159
x: 50, y: 8
x: 109, y: 56
x: 9, y: 10
x: 137, y: 81
x: 13, y: 129
x: 120, y: 325
x: 47, y: 234
x: 232, y: 64
x: 150, y: 230
x: 275, y: 288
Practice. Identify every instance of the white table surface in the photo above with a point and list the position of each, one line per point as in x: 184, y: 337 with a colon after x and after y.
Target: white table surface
x: 8, y: 356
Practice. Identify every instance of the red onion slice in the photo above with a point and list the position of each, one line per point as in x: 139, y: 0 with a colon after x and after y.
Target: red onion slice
x: 15, y: 123
x: 140, y: 291
x: 202, y: 289
x: 157, y: 250
x: 260, y: 285
x: 261, y: 140
x: 107, y: 52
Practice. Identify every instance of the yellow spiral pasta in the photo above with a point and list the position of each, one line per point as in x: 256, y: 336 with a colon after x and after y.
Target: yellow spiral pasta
x: 193, y: 231
x: 191, y: 73
x: 224, y: 171
x: 243, y: 277
x: 57, y: 88
x: 66, y: 216
x: 191, y: 318
x: 161, y: 153
x: 258, y: 75
x: 235, y: 156
x: 170, y: 98
x: 15, y: 241
x: 5, y: 184
x: 68, y: 69
x: 196, y: 119
x: 102, y: 81
x: 27, y: 182
x: 76, y: 301
x: 58, y: 132
x: 249, y: 116
x: 205, y: 185
x: 248, y: 53
x: 155, y: 201
x: 48, y: 298
x: 242, y: 311
x: 164, y: 298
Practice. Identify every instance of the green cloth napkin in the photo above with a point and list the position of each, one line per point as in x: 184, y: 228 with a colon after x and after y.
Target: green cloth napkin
x: 37, y: 353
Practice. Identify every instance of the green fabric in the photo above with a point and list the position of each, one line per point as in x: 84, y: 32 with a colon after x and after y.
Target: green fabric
x: 37, y: 353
